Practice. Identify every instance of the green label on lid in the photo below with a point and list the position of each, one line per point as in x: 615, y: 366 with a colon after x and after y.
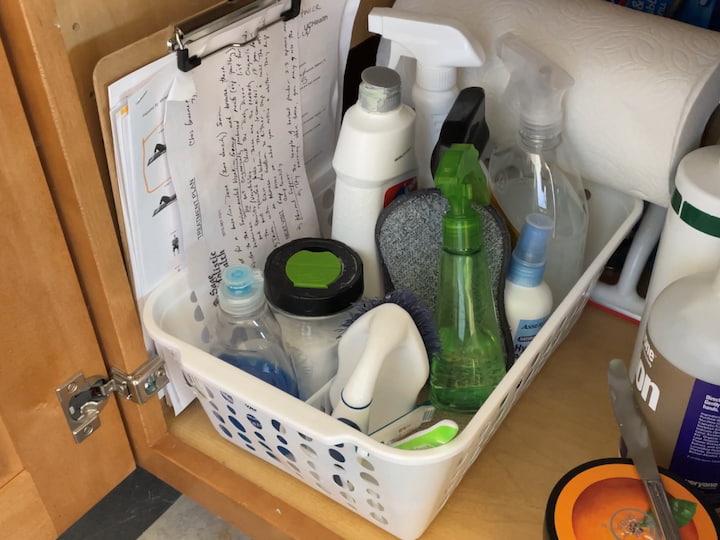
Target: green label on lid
x: 313, y: 269
x: 695, y: 217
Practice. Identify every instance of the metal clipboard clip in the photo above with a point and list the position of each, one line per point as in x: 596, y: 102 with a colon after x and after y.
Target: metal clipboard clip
x: 192, y: 39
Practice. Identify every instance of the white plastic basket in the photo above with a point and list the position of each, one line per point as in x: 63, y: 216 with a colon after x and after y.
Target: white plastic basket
x: 356, y: 471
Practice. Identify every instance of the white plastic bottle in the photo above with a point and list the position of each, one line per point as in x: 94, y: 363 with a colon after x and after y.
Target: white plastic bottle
x: 375, y: 162
x: 537, y: 173
x: 677, y: 380
x: 690, y: 237
x: 528, y: 299
x: 440, y: 45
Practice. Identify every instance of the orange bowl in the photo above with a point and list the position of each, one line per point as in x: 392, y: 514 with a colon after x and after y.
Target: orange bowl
x: 606, y: 500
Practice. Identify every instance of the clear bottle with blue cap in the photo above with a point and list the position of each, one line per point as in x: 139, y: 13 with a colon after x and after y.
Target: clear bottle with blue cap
x: 246, y: 333
x: 528, y: 299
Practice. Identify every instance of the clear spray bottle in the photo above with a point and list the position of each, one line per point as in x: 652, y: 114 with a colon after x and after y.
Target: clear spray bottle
x: 537, y: 172
x: 471, y: 362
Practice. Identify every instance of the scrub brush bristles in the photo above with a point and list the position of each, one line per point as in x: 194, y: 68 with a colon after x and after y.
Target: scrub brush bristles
x: 406, y: 299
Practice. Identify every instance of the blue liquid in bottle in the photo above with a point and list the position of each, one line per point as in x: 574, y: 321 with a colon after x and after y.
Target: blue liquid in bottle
x: 246, y: 333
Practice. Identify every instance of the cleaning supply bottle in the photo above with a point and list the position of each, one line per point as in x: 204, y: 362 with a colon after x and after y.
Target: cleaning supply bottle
x: 471, y: 361
x: 246, y: 333
x: 536, y: 173
x: 440, y: 45
x: 374, y: 162
x: 528, y: 299
x: 311, y: 284
x: 690, y: 236
x: 677, y: 381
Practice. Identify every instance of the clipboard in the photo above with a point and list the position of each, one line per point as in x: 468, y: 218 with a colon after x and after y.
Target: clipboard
x: 182, y: 39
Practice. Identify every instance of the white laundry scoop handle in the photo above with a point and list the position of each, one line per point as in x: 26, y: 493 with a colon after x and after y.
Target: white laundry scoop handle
x: 382, y: 366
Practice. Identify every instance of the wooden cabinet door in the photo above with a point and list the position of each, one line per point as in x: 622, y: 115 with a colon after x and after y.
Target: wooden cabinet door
x: 47, y: 480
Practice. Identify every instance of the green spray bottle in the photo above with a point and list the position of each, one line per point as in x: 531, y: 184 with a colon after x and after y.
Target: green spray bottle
x: 471, y: 362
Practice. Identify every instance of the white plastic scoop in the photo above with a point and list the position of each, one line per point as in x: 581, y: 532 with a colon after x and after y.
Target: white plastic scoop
x: 382, y: 366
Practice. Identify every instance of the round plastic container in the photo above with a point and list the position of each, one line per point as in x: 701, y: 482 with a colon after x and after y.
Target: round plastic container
x: 311, y: 283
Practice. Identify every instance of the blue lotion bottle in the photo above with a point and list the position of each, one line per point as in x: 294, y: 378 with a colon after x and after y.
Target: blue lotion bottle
x: 246, y: 333
x: 528, y: 299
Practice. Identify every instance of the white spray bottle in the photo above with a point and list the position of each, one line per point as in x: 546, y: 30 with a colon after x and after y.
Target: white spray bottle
x: 440, y: 46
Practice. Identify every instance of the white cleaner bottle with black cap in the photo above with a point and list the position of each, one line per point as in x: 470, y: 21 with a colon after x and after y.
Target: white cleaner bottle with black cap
x: 374, y: 162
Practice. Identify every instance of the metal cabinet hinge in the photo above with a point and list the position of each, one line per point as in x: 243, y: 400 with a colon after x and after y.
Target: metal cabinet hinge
x: 83, y: 398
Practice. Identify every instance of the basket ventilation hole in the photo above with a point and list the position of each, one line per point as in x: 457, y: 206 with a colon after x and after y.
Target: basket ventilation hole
x: 265, y: 446
x: 244, y: 438
x: 219, y: 417
x: 372, y: 503
x: 308, y: 450
x: 231, y: 410
x: 308, y: 439
x: 348, y: 497
x: 212, y: 404
x: 235, y: 422
x: 254, y: 421
x: 315, y: 475
x: 295, y: 467
x: 373, y: 493
x: 366, y: 464
x: 198, y: 314
x: 205, y: 335
x: 338, y: 467
x: 272, y: 455
x: 260, y: 435
x: 311, y: 464
x: 250, y: 447
x: 226, y: 432
x: 227, y: 397
x: 282, y: 439
x: 287, y: 453
x: 210, y: 393
x: 370, y: 479
x: 380, y: 519
x: 350, y: 486
x: 338, y: 480
x: 278, y: 427
x: 337, y: 456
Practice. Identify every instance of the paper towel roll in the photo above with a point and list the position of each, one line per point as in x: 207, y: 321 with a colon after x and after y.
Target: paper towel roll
x: 645, y: 86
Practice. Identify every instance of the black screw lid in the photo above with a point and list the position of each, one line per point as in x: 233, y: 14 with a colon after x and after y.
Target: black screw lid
x: 313, y: 277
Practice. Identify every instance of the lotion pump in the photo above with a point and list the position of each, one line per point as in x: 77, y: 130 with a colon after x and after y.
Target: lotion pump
x: 440, y: 46
x: 471, y: 362
x: 537, y: 172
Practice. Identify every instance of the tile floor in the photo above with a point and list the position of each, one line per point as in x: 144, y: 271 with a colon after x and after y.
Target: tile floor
x: 143, y: 507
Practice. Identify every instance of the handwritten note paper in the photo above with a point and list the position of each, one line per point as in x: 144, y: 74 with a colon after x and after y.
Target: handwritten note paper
x: 236, y: 157
x: 254, y: 140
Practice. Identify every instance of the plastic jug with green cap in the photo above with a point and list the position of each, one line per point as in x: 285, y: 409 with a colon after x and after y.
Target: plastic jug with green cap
x: 471, y: 362
x: 311, y: 283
